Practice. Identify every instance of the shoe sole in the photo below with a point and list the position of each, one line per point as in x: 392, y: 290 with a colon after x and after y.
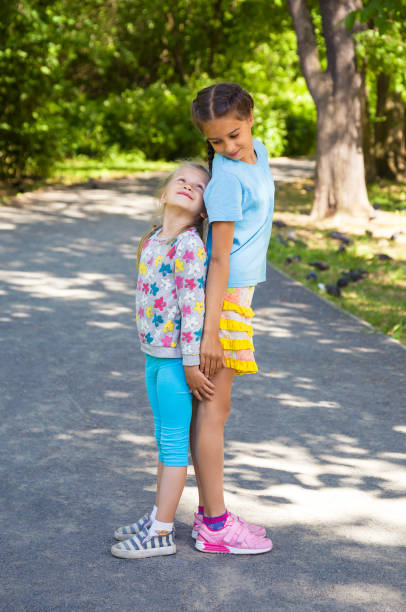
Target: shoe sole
x: 142, y: 554
x: 206, y: 547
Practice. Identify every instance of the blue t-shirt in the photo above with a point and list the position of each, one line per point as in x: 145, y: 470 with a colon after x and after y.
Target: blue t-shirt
x: 243, y: 193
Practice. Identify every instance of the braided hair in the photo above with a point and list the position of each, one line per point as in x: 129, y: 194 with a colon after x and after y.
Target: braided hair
x: 217, y: 101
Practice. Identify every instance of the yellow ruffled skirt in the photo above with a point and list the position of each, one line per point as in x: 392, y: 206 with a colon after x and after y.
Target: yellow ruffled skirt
x: 236, y: 330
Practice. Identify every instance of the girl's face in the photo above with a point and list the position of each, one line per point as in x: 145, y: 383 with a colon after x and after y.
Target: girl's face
x: 231, y: 137
x: 185, y: 191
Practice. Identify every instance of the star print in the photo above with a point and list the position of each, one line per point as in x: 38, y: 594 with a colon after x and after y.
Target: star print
x: 178, y: 265
x: 201, y: 282
x: 171, y: 252
x: 198, y: 334
x: 188, y: 256
x: 158, y: 261
x: 165, y: 269
x: 160, y: 304
x: 168, y: 326
x: 143, y: 268
x: 199, y: 307
x: 187, y: 337
x: 201, y: 253
x: 154, y: 289
x: 166, y: 340
x: 190, y: 283
x: 157, y: 320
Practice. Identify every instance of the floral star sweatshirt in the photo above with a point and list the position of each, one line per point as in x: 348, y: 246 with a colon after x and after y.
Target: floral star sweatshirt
x: 170, y: 296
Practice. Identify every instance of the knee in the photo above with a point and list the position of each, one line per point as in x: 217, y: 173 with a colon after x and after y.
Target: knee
x: 215, y: 414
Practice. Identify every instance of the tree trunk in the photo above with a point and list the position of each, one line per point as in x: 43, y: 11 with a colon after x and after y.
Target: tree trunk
x: 337, y: 93
x: 390, y: 132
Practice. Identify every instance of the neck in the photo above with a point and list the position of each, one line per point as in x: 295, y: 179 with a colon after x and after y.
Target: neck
x: 174, y: 221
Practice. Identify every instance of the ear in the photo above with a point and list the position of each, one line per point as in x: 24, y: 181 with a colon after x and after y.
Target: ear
x: 251, y: 119
x: 162, y: 199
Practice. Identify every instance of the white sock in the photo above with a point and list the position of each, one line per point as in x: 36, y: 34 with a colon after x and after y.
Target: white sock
x: 153, y: 513
x: 158, y: 526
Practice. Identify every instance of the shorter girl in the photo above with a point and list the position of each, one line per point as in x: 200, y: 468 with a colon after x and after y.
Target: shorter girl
x: 170, y: 310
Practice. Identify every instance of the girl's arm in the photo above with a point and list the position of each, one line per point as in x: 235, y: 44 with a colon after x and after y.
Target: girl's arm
x: 211, y: 350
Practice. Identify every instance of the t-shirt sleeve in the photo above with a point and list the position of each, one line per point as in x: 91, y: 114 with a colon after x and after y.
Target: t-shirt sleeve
x: 223, y: 198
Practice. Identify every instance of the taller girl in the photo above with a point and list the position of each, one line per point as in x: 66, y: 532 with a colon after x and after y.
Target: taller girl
x: 239, y: 201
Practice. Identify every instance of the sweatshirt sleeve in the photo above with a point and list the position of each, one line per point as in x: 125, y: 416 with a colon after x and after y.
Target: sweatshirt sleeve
x: 190, y: 277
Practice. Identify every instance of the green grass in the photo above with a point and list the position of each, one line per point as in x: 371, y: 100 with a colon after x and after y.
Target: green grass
x: 388, y: 196
x: 379, y: 298
x: 82, y: 168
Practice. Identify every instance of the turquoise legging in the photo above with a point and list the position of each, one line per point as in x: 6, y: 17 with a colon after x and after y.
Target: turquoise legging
x: 171, y: 403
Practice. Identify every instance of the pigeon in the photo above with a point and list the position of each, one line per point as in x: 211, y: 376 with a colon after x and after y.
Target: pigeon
x: 376, y: 206
x: 383, y: 257
x: 293, y: 258
x: 341, y: 237
x: 396, y: 235
x: 320, y: 265
x: 333, y: 290
x: 278, y: 223
x: 341, y: 248
x: 291, y: 235
x: 368, y: 233
x: 354, y: 276
x: 282, y: 240
x: 342, y: 281
x: 311, y: 275
x: 321, y: 286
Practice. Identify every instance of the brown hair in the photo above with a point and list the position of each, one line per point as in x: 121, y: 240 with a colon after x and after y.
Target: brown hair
x: 219, y: 100
x: 199, y: 223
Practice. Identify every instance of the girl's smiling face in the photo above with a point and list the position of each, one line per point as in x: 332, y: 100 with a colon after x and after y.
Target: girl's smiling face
x: 185, y: 191
x: 231, y: 137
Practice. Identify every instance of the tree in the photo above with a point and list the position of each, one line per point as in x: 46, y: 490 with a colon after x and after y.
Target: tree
x: 337, y: 93
x: 381, y: 50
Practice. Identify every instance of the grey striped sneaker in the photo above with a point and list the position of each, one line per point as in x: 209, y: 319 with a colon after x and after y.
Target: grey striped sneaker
x: 139, y: 546
x: 124, y: 533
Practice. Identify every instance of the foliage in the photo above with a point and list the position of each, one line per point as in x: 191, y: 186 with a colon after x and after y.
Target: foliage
x: 80, y: 77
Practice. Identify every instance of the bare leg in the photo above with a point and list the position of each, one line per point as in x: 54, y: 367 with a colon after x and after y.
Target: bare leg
x: 211, y: 418
x: 158, y: 480
x: 170, y: 490
x: 193, y: 426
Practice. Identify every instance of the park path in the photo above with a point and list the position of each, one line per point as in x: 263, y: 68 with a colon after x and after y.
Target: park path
x: 315, y: 446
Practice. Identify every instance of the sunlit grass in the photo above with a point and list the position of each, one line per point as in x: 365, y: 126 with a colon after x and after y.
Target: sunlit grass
x: 116, y: 164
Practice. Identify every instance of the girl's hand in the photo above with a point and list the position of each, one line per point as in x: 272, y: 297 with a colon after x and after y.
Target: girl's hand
x: 211, y: 355
x: 198, y: 384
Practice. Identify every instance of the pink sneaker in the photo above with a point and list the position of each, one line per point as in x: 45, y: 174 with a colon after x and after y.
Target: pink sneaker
x: 234, y: 538
x: 257, y: 530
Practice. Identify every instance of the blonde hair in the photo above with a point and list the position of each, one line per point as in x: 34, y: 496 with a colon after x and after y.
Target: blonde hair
x: 200, y: 224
